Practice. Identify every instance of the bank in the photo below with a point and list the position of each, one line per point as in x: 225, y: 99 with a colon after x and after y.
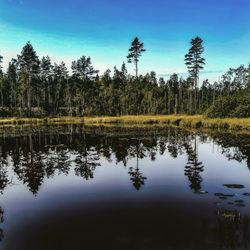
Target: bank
x: 196, y: 121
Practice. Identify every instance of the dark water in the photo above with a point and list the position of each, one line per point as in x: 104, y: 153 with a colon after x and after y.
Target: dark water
x: 70, y: 187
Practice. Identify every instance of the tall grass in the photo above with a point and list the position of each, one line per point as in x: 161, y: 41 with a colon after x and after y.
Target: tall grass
x: 196, y: 121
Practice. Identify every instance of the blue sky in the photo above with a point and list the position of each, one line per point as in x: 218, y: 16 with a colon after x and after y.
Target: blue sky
x: 104, y: 29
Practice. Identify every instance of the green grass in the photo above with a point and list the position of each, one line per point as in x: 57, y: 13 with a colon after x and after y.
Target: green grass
x: 196, y: 121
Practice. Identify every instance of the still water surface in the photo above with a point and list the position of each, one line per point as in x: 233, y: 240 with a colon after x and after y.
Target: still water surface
x: 70, y: 187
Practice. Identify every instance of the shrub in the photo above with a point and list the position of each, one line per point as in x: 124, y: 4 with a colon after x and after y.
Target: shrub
x: 5, y: 112
x: 222, y: 107
x: 37, y: 112
x: 230, y: 106
x: 242, y: 111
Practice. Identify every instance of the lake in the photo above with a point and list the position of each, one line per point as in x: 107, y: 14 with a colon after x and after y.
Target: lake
x: 76, y: 187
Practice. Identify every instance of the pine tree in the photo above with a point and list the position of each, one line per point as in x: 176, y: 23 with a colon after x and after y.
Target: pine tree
x: 1, y: 80
x: 1, y: 61
x: 29, y: 62
x: 12, y: 81
x: 60, y: 77
x: 84, y: 73
x: 195, y: 62
x: 124, y: 70
x: 46, y: 75
x: 248, y: 82
x: 135, y: 52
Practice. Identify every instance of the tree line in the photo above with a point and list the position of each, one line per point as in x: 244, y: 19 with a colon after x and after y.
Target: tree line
x: 35, y: 87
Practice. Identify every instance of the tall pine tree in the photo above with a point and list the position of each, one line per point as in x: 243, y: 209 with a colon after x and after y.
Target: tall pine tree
x: 195, y: 62
x: 135, y: 52
x: 1, y: 61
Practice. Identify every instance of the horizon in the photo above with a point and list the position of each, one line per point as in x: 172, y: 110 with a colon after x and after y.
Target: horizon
x: 68, y: 31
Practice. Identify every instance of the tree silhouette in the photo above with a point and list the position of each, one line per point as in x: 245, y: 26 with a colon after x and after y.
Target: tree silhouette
x: 3, y: 174
x: 35, y: 155
x: 30, y: 87
x: 135, y: 52
x: 86, y: 164
x: 136, y: 176
x: 194, y: 168
x: 83, y: 73
x: 86, y: 161
x: 195, y: 62
x: 1, y: 61
x: 29, y: 64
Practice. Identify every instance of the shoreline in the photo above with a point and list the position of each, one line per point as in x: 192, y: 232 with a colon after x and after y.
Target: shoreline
x: 182, y: 121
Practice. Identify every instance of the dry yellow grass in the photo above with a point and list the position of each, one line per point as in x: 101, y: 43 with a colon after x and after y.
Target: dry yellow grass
x: 196, y: 121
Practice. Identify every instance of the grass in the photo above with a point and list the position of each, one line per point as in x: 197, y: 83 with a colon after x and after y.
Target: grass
x: 39, y: 121
x: 196, y: 121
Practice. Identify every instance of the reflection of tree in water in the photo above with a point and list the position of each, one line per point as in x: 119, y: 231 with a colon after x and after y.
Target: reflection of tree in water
x: 120, y: 148
x: 136, y: 176
x: 86, y: 161
x: 175, y: 142
x: 58, y: 158
x: 172, y: 149
x: 194, y: 167
x: 62, y: 163
x: 35, y: 156
x: 3, y: 171
x: 31, y: 166
x: 234, y: 146
x: 32, y: 172
x: 162, y: 146
x: 28, y: 165
x: 149, y: 146
x: 3, y: 178
x: 86, y: 164
x: 1, y: 221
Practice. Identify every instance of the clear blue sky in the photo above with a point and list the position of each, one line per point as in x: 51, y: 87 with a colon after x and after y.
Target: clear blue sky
x: 104, y: 29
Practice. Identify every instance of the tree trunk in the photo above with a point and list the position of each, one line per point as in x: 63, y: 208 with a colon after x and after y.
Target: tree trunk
x: 136, y: 69
x: 1, y: 98
x: 29, y: 96
x: 169, y: 102
x: 195, y: 95
x: 176, y: 104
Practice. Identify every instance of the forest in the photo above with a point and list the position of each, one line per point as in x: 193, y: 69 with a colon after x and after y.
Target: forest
x: 34, y: 87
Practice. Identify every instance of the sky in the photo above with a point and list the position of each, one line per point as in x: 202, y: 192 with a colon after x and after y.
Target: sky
x: 104, y: 29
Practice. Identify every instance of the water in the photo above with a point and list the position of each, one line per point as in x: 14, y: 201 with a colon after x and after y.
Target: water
x: 70, y: 187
